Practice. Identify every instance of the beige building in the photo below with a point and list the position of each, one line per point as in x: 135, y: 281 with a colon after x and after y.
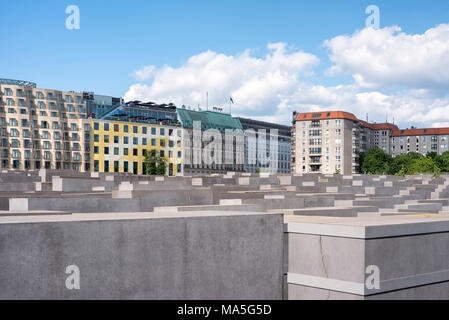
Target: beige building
x: 421, y: 141
x: 42, y: 128
x: 330, y: 142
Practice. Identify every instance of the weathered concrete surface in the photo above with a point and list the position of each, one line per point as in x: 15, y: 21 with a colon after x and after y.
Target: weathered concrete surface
x: 143, y: 256
x: 331, y: 258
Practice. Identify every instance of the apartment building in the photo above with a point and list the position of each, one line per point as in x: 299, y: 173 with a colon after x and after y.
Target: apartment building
x: 42, y: 128
x: 120, y: 146
x: 421, y: 141
x: 262, y: 135
x: 331, y: 141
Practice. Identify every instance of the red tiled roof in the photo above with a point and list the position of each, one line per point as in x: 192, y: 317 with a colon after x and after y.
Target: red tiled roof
x: 326, y: 115
x: 420, y: 132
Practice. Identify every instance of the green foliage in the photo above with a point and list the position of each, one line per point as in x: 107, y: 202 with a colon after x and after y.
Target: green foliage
x: 337, y: 172
x: 155, y: 165
x: 376, y: 161
x: 421, y: 165
x: 436, y: 172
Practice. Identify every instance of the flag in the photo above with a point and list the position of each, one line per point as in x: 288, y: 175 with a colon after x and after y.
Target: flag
x: 230, y: 99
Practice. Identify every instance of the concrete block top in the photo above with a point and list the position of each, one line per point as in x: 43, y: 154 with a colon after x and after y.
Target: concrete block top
x: 125, y: 216
x: 368, y: 227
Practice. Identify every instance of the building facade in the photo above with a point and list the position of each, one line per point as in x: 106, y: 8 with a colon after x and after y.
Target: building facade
x: 42, y: 128
x: 124, y: 134
x: 213, y: 142
x: 119, y: 146
x: 330, y: 142
x: 262, y: 135
x: 421, y: 141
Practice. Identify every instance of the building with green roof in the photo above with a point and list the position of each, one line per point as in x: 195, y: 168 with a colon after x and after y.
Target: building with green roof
x: 209, y: 120
x: 227, y: 156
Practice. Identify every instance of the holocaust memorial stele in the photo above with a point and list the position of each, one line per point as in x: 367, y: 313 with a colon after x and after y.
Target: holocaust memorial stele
x: 75, y: 235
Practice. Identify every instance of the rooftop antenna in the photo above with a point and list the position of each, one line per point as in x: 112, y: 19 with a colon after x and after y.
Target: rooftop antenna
x: 367, y: 119
x: 207, y: 100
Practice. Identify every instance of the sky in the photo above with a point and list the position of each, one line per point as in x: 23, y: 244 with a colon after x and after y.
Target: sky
x: 272, y: 57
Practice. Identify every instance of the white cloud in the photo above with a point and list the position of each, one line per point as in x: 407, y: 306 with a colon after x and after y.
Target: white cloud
x: 388, y: 57
x: 257, y: 85
x: 395, y: 76
x: 144, y: 73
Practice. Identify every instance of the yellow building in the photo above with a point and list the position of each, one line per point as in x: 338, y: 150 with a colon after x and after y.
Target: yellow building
x: 119, y: 146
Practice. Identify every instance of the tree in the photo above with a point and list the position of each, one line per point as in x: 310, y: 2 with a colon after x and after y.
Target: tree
x: 421, y: 165
x: 375, y: 161
x: 442, y: 162
x: 155, y: 165
x: 400, y: 165
x: 432, y: 155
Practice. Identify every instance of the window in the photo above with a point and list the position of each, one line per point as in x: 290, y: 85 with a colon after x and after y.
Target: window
x: 96, y: 126
x: 106, y: 139
x: 96, y: 138
x: 153, y: 131
x: 125, y: 140
x: 125, y: 151
x: 135, y: 141
x: 125, y: 128
x: 14, y: 133
x: 116, y: 127
x: 116, y: 139
x: 136, y: 129
x: 96, y: 150
x: 153, y: 142
x: 106, y: 150
x: 144, y: 141
x: 116, y: 151
x: 8, y: 92
x: 144, y: 130
x: 106, y: 127
x: 162, y: 131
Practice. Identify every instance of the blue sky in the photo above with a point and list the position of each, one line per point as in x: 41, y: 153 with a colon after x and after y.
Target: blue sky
x: 119, y: 37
